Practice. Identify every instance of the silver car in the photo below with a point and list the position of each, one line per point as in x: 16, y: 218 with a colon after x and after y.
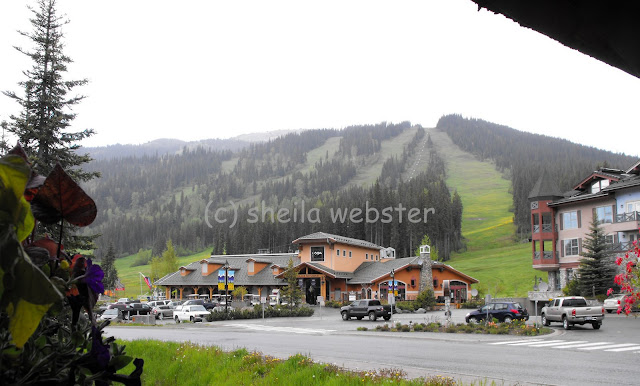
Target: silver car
x: 162, y: 311
x: 111, y: 314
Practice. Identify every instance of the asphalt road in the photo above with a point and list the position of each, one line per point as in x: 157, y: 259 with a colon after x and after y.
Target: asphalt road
x: 580, y: 356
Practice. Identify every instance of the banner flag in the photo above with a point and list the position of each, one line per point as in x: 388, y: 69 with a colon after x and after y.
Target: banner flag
x: 148, y: 281
x: 230, y: 280
x: 221, y: 277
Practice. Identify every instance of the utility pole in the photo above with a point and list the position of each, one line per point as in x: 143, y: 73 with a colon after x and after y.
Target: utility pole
x: 226, y: 285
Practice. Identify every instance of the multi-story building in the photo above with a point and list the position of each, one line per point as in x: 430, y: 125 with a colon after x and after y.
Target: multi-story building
x: 560, y: 221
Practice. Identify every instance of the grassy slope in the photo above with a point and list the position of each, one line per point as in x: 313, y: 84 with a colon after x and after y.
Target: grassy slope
x: 501, y: 265
x: 130, y: 276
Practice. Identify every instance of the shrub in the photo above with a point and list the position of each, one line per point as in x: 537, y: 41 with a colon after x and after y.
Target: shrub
x: 407, y: 306
x: 473, y: 304
x: 405, y: 328
x: 256, y: 313
x: 572, y: 288
x: 363, y: 329
x: 335, y: 304
x: 418, y: 327
x: 425, y: 299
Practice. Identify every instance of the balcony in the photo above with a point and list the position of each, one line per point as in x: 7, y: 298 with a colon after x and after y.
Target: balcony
x: 545, y: 228
x: 620, y: 247
x: 626, y: 217
x: 624, y: 222
x: 547, y: 254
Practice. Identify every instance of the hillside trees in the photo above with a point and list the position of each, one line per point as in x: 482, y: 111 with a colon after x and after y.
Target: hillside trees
x: 42, y: 125
x: 523, y: 156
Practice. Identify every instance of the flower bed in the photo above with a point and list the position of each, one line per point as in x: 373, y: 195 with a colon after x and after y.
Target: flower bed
x: 513, y: 328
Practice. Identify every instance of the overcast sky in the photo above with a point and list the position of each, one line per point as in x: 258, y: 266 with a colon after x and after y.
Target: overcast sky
x: 208, y: 69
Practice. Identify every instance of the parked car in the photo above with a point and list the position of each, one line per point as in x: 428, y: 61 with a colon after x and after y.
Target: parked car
x: 572, y: 310
x: 111, y: 314
x: 616, y: 301
x: 503, y: 311
x: 366, y: 307
x: 162, y: 311
x: 206, y: 304
x: 193, y: 313
x: 155, y: 303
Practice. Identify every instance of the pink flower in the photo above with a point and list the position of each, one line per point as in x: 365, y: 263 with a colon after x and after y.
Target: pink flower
x: 629, y: 266
x: 619, y: 260
x: 609, y: 291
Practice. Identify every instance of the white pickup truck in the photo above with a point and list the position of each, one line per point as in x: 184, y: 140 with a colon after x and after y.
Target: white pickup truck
x: 193, y: 313
x: 572, y: 310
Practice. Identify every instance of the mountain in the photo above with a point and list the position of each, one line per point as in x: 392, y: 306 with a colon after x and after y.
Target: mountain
x: 523, y: 156
x: 163, y: 146
x: 145, y: 200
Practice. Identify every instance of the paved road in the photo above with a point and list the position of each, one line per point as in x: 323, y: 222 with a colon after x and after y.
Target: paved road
x: 577, y: 357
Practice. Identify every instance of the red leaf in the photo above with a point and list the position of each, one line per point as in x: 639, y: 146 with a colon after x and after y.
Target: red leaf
x: 61, y: 198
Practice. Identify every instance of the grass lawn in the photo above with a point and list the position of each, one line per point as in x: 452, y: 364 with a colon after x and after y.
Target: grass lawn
x: 171, y: 363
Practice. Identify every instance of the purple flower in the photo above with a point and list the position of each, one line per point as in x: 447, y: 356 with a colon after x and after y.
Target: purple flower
x: 99, y: 351
x: 93, y: 277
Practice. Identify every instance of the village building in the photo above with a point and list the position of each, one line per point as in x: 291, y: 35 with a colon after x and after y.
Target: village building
x: 560, y: 220
x: 330, y: 267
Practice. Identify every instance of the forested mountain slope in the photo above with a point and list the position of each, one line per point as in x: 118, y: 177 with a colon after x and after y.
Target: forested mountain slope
x: 143, y: 201
x: 523, y: 156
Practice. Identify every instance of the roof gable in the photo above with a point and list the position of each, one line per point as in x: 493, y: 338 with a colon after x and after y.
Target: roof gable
x: 332, y: 239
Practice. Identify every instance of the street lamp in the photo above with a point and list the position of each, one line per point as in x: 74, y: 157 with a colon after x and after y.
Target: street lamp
x: 392, y: 294
x: 226, y: 285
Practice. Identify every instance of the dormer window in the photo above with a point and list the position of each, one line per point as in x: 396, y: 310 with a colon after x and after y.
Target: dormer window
x: 250, y: 266
x: 599, y: 185
x: 204, y: 268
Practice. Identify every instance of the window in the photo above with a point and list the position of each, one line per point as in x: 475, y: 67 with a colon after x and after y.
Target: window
x: 349, y: 253
x: 204, y: 268
x: 338, y: 252
x: 250, y: 266
x: 317, y: 253
x: 571, y: 247
x: 604, y: 214
x: 570, y: 220
x: 610, y: 239
x: 633, y: 206
x: 366, y: 256
x: 599, y: 185
x: 344, y: 253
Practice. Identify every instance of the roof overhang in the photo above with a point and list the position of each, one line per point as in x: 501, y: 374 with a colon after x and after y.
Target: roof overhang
x: 595, y: 176
x: 449, y: 268
x: 605, y: 30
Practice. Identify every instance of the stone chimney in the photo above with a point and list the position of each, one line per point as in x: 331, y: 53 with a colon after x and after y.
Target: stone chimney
x: 426, y: 276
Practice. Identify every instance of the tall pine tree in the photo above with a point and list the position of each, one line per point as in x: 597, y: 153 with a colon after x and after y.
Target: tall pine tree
x: 108, y: 267
x: 42, y: 126
x: 597, y: 269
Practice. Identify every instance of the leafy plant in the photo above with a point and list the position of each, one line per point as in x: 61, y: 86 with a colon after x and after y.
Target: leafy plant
x: 44, y: 339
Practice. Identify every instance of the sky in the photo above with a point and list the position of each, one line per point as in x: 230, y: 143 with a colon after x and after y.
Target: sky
x: 216, y: 69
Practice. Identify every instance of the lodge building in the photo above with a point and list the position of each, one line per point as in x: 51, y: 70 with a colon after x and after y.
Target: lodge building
x: 560, y: 220
x: 330, y: 267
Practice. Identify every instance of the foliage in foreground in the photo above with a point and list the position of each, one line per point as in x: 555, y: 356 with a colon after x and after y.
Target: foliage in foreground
x: 171, y: 363
x: 629, y: 279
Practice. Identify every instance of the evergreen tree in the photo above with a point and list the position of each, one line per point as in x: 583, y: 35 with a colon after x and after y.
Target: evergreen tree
x: 597, y: 270
x: 169, y: 259
x: 45, y: 117
x: 109, y: 269
x: 291, y: 293
x: 41, y: 127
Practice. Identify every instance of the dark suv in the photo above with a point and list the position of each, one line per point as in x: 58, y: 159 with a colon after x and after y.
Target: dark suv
x: 503, y: 311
